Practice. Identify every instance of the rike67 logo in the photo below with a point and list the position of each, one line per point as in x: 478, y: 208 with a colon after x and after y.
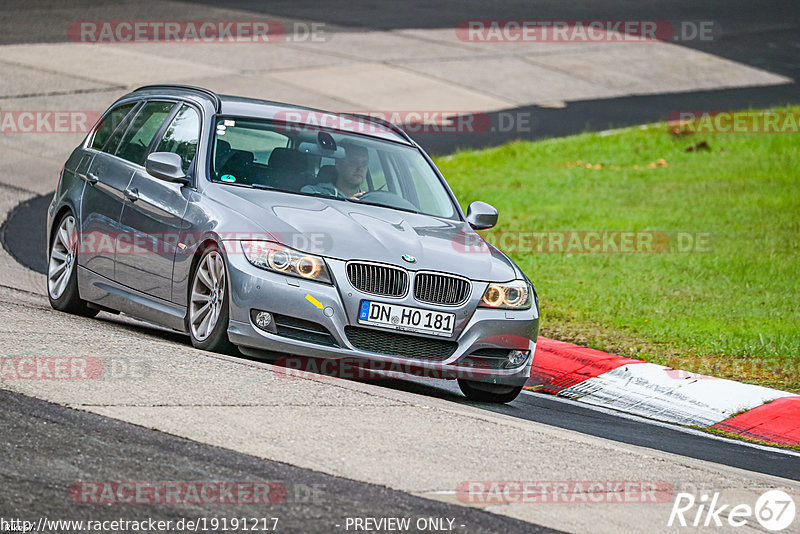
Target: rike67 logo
x: 774, y: 510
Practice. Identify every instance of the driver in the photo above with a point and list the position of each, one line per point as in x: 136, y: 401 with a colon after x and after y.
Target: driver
x: 351, y: 173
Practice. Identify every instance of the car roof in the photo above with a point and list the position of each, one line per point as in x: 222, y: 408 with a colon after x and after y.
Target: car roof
x: 238, y: 106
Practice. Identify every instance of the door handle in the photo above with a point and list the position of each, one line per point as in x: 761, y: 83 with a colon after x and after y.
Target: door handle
x: 92, y: 178
x: 132, y: 194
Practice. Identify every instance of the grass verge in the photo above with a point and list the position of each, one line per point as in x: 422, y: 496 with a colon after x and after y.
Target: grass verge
x: 750, y: 440
x: 718, y: 290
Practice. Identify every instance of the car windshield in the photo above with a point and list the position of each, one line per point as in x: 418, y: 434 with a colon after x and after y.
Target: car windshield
x: 329, y: 163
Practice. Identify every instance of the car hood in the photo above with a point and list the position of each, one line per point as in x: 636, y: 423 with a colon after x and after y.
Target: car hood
x: 351, y: 231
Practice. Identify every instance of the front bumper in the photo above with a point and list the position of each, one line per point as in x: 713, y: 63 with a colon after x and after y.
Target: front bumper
x: 335, y: 307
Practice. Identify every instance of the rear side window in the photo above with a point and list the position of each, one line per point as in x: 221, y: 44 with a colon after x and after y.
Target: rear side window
x: 113, y: 143
x: 182, y: 135
x: 110, y: 122
x: 242, y: 136
x: 148, y: 121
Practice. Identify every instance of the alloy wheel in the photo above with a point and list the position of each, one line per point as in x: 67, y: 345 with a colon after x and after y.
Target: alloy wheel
x: 62, y: 257
x: 208, y: 294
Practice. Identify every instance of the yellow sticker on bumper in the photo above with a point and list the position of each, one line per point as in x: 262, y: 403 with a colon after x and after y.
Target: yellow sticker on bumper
x: 314, y: 301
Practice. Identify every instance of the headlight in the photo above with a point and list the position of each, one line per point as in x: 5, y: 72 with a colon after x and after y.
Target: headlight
x: 281, y: 259
x: 514, y: 295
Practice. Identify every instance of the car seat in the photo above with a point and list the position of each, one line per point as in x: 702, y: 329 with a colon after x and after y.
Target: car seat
x: 289, y: 169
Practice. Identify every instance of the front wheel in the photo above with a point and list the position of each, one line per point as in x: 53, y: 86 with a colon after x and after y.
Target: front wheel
x: 62, y: 275
x: 485, y: 392
x: 208, y: 304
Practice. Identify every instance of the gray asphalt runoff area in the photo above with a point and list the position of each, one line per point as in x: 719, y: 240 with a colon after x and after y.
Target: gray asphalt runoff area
x: 48, y: 448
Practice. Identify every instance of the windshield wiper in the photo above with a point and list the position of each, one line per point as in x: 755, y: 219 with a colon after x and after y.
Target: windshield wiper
x: 409, y: 210
x: 322, y: 195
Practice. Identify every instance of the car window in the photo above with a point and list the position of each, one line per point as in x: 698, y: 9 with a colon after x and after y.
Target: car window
x: 241, y: 136
x: 112, y: 144
x: 267, y: 145
x: 182, y: 136
x: 310, y: 160
x: 137, y: 139
x: 428, y: 202
x: 376, y: 171
x: 109, y: 123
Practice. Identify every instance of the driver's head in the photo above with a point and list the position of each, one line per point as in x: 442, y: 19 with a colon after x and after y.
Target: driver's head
x: 352, y: 168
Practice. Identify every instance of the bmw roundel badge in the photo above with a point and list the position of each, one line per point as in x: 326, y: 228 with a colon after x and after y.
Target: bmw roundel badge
x: 409, y: 258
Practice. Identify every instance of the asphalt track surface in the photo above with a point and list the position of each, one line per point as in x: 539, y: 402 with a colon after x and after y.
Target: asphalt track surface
x: 764, y: 34
x: 47, y: 448
x: 24, y: 233
x: 624, y: 428
x: 569, y: 415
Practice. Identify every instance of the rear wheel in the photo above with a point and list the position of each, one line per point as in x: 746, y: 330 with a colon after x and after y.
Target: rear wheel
x: 62, y: 274
x: 208, y: 304
x: 485, y: 392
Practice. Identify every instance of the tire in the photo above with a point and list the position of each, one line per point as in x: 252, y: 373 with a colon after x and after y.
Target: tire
x: 485, y: 392
x: 208, y: 311
x: 62, y: 274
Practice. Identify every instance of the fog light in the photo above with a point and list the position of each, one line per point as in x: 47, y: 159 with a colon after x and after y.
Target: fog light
x: 517, y: 358
x: 263, y: 319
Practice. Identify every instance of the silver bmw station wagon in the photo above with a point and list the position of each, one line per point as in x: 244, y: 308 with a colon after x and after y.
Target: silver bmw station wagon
x: 265, y: 227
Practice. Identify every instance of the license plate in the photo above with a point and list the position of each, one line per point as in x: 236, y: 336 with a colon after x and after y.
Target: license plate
x: 406, y: 318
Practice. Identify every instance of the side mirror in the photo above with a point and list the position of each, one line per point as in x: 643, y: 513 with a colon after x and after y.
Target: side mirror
x: 166, y: 166
x: 481, y: 215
